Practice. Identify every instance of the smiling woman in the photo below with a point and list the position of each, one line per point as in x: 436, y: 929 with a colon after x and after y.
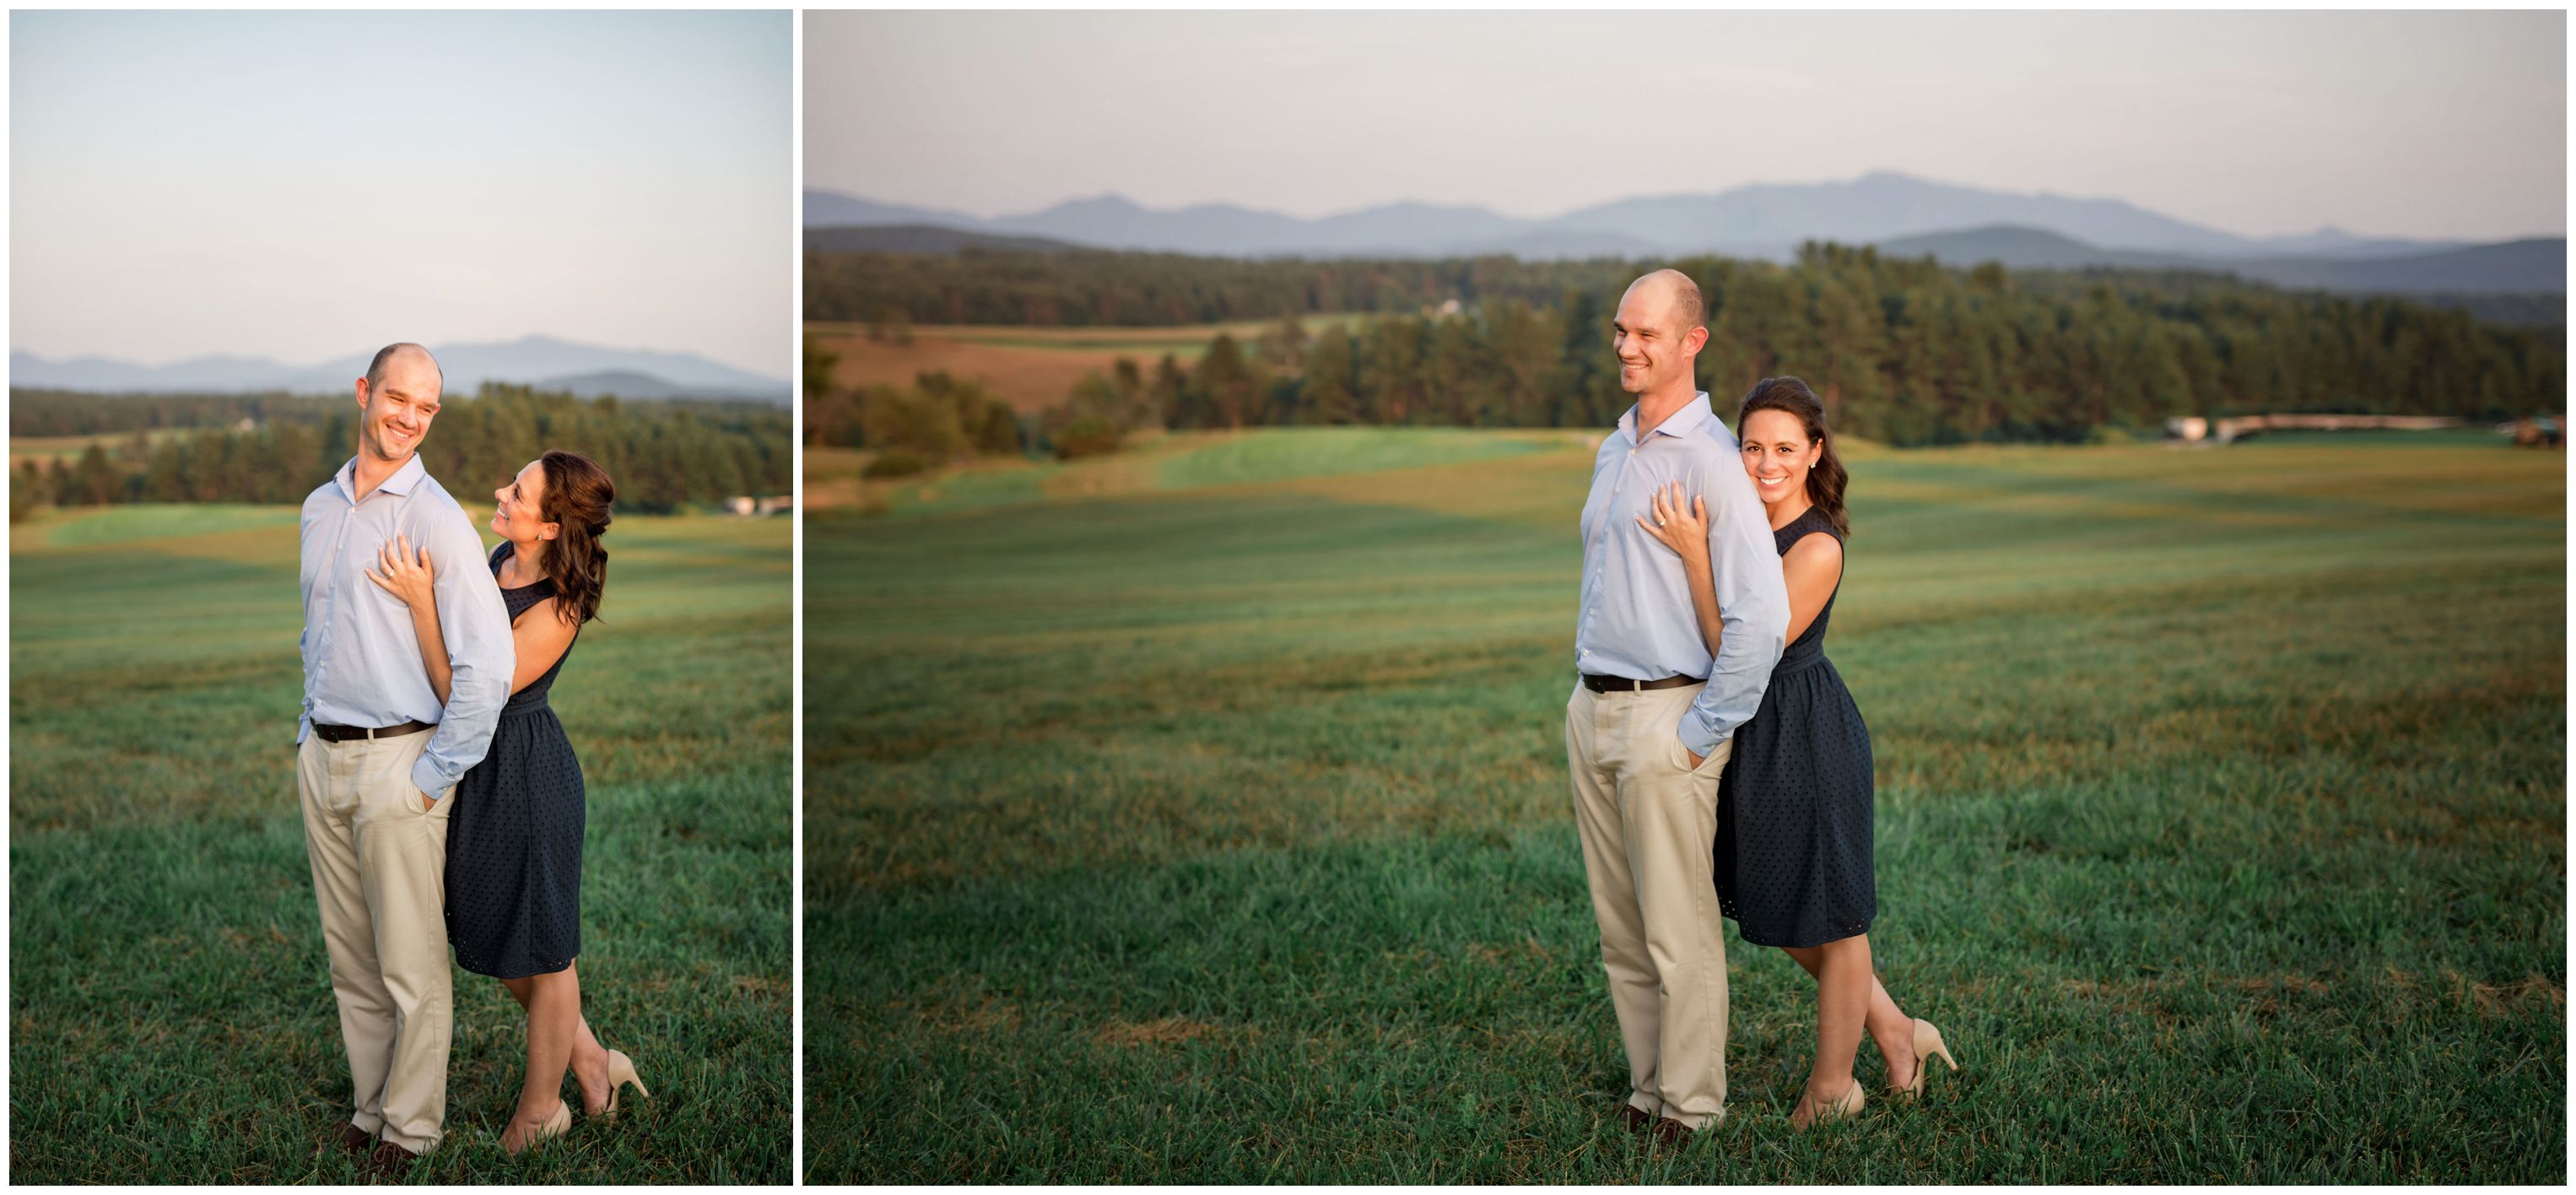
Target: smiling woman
x: 341, y: 807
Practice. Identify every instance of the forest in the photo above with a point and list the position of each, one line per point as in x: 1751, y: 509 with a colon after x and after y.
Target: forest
x: 1904, y: 351
x: 276, y: 448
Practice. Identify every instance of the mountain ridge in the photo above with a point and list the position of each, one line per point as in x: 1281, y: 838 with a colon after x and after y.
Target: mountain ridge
x: 1756, y: 219
x: 529, y: 360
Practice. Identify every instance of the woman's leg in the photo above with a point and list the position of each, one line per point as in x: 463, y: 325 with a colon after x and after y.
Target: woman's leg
x: 1889, y: 1027
x: 589, y: 1062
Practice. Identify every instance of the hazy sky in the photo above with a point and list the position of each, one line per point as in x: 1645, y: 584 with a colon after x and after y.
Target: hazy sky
x: 2436, y: 125
x: 306, y: 185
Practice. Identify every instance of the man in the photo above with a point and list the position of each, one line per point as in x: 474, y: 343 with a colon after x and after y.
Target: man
x: 1651, y: 720
x: 378, y: 754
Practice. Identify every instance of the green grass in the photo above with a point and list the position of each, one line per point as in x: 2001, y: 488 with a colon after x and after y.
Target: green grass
x: 1288, y: 453
x: 1224, y: 835
x: 1200, y: 460
x: 172, y: 1018
x: 158, y: 520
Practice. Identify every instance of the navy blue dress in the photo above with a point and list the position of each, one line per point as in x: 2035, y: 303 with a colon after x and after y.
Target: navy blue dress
x: 514, y: 838
x: 1794, y: 801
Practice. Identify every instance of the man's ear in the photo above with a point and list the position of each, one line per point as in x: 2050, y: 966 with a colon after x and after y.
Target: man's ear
x: 362, y: 393
x: 1694, y: 339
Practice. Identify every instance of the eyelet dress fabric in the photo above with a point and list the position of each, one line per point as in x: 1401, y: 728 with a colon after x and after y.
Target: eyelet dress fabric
x: 514, y: 838
x: 1794, y: 819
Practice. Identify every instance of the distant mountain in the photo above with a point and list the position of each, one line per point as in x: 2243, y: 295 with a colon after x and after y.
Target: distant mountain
x: 2536, y: 266
x: 1765, y: 220
x: 1114, y: 223
x: 626, y: 383
x: 2331, y: 241
x: 924, y: 238
x: 532, y: 360
x: 828, y: 209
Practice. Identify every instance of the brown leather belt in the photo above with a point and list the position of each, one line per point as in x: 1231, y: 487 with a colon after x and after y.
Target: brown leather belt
x: 1621, y: 684
x: 342, y: 734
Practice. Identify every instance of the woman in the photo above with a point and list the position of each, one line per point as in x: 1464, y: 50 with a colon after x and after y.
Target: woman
x: 514, y: 838
x: 1793, y: 818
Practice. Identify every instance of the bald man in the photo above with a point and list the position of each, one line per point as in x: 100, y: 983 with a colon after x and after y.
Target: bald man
x: 378, y: 753
x: 1654, y: 714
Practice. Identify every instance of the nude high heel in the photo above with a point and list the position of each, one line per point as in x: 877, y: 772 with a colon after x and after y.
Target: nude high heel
x: 555, y: 1126
x: 621, y: 1071
x: 1927, y: 1046
x: 1846, y: 1105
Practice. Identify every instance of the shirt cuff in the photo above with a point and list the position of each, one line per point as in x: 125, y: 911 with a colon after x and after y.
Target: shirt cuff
x: 1698, y: 734
x: 429, y: 778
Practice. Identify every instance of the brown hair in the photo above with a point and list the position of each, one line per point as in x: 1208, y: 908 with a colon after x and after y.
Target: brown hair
x: 1826, y: 481
x: 577, y: 498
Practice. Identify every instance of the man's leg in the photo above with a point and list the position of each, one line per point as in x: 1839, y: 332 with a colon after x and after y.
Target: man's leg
x: 1671, y: 836
x: 402, y: 860
x: 326, y: 783
x: 1591, y: 718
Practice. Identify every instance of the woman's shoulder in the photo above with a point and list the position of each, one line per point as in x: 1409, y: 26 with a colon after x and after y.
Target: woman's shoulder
x: 1820, y: 543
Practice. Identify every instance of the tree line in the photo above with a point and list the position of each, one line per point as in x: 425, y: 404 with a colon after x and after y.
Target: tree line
x: 1117, y: 289
x: 276, y: 449
x: 1904, y: 351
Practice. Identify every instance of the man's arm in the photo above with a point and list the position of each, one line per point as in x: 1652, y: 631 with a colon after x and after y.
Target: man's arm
x: 476, y: 625
x: 1753, y: 603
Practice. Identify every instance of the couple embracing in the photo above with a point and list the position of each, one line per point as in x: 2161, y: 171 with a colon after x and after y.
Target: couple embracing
x: 442, y: 803
x: 1720, y: 766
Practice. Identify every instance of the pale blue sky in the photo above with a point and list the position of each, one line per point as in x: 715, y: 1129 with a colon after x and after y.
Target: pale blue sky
x: 2387, y: 123
x: 304, y: 185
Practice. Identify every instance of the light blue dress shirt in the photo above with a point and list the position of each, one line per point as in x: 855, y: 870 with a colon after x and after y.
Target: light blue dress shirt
x: 1636, y: 618
x: 361, y: 659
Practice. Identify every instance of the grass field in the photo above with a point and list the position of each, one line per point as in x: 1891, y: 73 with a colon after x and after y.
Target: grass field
x: 1220, y: 832
x: 1030, y: 368
x: 1156, y: 462
x: 172, y: 1018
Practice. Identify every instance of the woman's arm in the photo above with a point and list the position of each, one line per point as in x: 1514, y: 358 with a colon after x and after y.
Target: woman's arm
x: 1812, y: 568
x: 408, y: 575
x: 540, y: 637
x: 1686, y: 533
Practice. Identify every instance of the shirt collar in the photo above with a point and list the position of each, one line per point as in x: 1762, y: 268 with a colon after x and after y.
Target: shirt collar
x: 1680, y: 423
x: 401, y: 482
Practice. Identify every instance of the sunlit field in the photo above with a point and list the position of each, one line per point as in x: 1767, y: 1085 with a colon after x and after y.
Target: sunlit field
x: 1202, y: 816
x: 172, y: 1018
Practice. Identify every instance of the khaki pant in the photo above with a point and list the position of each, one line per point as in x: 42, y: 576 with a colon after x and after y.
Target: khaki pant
x: 1648, y: 822
x: 380, y: 877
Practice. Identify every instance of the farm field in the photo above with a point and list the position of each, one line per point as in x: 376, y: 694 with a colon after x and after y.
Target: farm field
x: 1031, y: 368
x: 44, y: 450
x: 1214, y: 826
x: 172, y: 1013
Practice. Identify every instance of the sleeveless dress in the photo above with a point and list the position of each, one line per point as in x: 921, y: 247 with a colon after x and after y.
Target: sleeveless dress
x: 514, y: 838
x: 1793, y: 804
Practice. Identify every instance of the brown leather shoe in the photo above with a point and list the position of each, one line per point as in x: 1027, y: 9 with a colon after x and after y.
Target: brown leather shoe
x: 350, y: 1140
x: 1669, y: 1131
x: 389, y: 1161
x: 1634, y: 1118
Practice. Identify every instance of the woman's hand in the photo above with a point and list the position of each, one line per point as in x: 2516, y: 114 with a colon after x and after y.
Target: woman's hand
x: 406, y: 573
x: 1684, y: 531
